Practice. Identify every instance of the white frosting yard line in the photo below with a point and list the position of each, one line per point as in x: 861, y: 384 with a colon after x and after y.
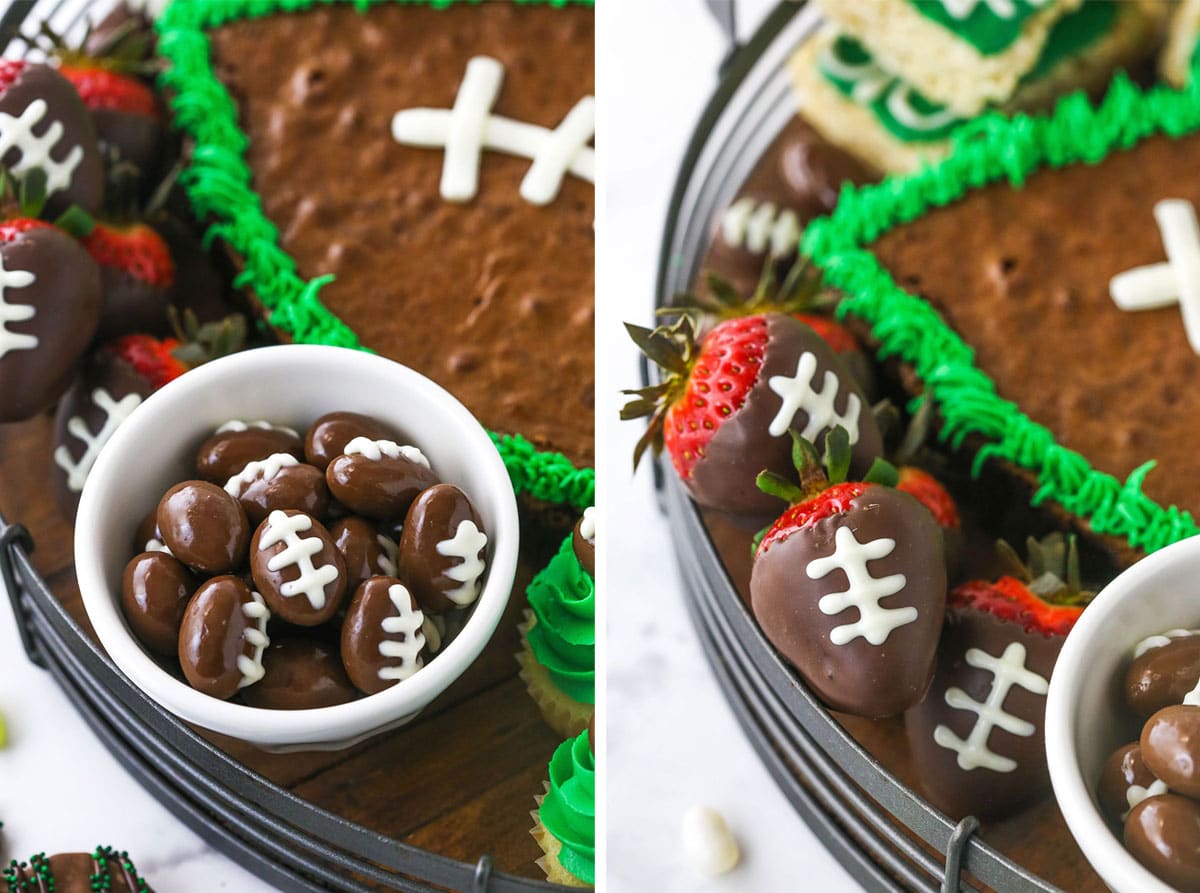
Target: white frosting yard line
x: 1160, y: 285
x: 464, y: 131
x: 297, y: 551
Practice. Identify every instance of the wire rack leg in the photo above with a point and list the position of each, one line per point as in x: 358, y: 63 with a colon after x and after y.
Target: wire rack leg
x: 959, y: 839
x: 483, y: 874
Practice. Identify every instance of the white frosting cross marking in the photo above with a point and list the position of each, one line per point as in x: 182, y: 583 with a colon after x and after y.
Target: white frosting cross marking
x: 1135, y: 794
x: 35, y: 150
x: 266, y: 469
x: 467, y: 129
x: 286, y: 529
x: 389, y: 561
x: 466, y: 545
x: 374, y: 450
x: 1001, y: 9
x: 1007, y: 670
x: 798, y: 393
x: 251, y: 665
x: 587, y: 526
x: 410, y: 623
x: 1176, y: 281
x: 759, y: 226
x: 237, y: 425
x: 115, y: 412
x: 875, y: 622
x: 10, y: 340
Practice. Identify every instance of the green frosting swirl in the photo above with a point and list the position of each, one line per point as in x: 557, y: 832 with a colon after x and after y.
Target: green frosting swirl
x: 991, y: 149
x: 219, y: 184
x: 563, y: 598
x: 982, y: 28
x: 568, y: 811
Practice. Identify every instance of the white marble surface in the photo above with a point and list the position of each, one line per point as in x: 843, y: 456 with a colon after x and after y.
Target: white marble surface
x: 61, y: 791
x: 672, y: 741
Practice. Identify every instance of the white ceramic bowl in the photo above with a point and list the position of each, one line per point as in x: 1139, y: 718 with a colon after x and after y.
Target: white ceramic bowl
x: 291, y: 385
x: 1086, y: 719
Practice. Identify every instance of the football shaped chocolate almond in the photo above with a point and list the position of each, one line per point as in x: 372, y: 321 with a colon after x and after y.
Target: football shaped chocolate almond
x: 1164, y: 669
x: 442, y: 549
x: 155, y: 589
x: 49, y: 310
x: 279, y: 482
x: 365, y: 552
x: 727, y: 402
x: 236, y: 444
x: 223, y: 636
x: 328, y: 436
x: 977, y: 738
x: 1125, y: 782
x: 382, y: 637
x: 297, y: 568
x: 850, y: 585
x: 45, y: 126
x: 204, y: 527
x: 1163, y: 833
x: 301, y: 673
x: 378, y: 478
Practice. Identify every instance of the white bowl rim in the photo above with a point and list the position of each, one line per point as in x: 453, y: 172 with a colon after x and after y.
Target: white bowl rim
x: 1103, y: 849
x: 323, y: 724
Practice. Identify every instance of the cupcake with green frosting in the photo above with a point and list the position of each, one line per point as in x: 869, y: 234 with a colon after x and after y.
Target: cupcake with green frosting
x: 565, y: 820
x: 558, y: 637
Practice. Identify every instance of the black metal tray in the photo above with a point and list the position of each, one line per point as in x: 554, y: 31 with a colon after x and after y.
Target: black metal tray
x: 871, y: 822
x: 282, y: 838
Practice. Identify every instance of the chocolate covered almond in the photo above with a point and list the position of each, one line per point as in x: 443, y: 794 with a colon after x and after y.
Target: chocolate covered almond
x: 1164, y: 669
x: 1125, y: 781
x: 297, y: 568
x: 301, y: 673
x: 204, y: 527
x: 279, y: 481
x: 382, y: 636
x: 1163, y: 833
x: 442, y: 549
x: 155, y: 589
x: 223, y: 636
x: 365, y: 552
x: 236, y: 444
x: 328, y: 436
x: 1170, y: 745
x: 378, y: 478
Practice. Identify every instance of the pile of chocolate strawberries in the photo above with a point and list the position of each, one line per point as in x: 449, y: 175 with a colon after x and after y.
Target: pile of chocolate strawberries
x: 298, y: 572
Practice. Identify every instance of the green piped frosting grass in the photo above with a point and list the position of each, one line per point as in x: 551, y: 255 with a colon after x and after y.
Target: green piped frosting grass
x: 992, y: 149
x: 219, y: 184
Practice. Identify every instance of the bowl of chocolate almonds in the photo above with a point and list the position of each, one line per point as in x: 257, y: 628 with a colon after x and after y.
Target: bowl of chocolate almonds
x: 1123, y: 725
x: 298, y: 546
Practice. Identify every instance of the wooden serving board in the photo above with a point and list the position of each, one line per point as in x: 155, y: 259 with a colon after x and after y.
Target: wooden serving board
x: 459, y: 780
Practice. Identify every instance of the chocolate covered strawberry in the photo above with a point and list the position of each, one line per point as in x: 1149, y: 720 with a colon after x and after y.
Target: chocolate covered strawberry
x: 45, y: 126
x: 49, y: 304
x: 108, y: 76
x: 977, y: 738
x: 116, y: 378
x: 137, y: 276
x: 727, y: 402
x: 796, y: 291
x: 849, y: 584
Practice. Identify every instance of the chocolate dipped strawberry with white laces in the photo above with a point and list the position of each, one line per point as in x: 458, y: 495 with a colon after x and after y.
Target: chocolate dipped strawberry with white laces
x: 849, y: 584
x: 49, y: 303
x: 728, y: 400
x: 977, y: 738
x: 45, y: 126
